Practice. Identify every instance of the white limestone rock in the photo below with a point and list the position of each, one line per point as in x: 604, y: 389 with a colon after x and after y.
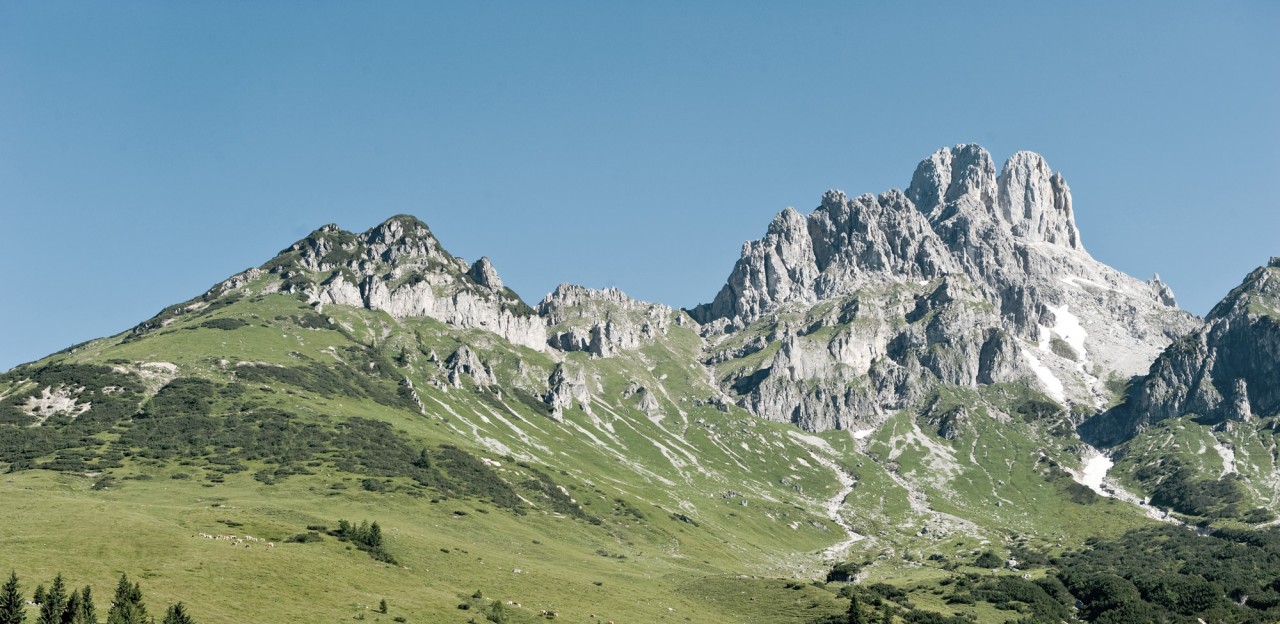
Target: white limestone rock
x: 567, y: 388
x: 951, y: 282
x: 601, y: 322
x: 464, y: 361
x: 399, y: 267
x: 1225, y: 370
x: 1036, y: 203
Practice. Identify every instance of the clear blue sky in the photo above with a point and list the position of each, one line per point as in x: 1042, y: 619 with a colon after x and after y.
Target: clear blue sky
x: 148, y: 150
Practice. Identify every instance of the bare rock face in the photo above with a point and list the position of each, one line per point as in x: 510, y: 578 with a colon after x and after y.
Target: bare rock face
x: 968, y: 277
x: 880, y: 351
x: 841, y: 246
x: 464, y: 361
x: 483, y: 273
x: 566, y: 389
x: 1036, y: 203
x: 1163, y: 293
x: 601, y: 322
x: 400, y: 267
x: 1226, y: 370
x: 779, y: 267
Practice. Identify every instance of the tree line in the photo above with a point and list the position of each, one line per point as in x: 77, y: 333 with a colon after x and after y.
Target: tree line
x: 62, y: 605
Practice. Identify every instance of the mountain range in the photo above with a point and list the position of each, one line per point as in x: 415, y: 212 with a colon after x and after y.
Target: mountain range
x: 888, y: 394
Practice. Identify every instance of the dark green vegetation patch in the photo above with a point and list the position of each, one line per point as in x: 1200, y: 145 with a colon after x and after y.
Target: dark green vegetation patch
x: 102, y: 398
x: 366, y: 374
x: 224, y: 323
x: 1149, y: 575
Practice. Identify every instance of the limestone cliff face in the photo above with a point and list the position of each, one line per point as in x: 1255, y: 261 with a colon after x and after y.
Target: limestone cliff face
x: 1016, y: 233
x: 968, y: 277
x: 567, y: 389
x: 464, y: 361
x: 1227, y: 370
x: 399, y: 267
x: 601, y: 322
x: 843, y: 245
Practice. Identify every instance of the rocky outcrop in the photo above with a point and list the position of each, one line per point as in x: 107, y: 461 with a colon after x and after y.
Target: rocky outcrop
x: 601, y: 322
x: 877, y: 353
x: 1036, y: 203
x: 464, y: 361
x: 1225, y: 370
x: 843, y: 245
x: 978, y: 277
x: 483, y: 273
x: 399, y: 267
x: 1163, y: 293
x: 645, y: 400
x: 567, y: 388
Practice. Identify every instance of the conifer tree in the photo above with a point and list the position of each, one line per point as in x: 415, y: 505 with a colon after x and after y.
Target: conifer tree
x: 126, y: 605
x: 497, y: 613
x: 12, y: 608
x: 177, y: 614
x: 423, y: 461
x: 375, y: 536
x: 87, y: 613
x: 855, y: 611
x: 38, y: 597
x: 73, y: 607
x: 382, y: 606
x: 55, y: 601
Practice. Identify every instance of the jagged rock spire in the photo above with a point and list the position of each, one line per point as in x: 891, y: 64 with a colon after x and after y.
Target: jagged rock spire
x: 1036, y: 203
x: 1008, y: 241
x: 483, y: 273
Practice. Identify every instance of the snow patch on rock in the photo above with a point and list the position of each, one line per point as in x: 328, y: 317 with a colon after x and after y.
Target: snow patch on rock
x: 1094, y: 471
x: 1048, y: 380
x: 1068, y: 328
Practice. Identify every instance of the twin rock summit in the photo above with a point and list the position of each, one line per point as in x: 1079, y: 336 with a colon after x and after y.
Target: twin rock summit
x: 839, y: 318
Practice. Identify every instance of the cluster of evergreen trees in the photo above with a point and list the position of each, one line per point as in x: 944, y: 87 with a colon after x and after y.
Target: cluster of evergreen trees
x: 366, y: 537
x: 58, y: 605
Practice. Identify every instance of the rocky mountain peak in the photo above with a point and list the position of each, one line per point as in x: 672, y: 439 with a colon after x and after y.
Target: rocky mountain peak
x: 1258, y: 294
x: 1035, y: 307
x: 483, y: 273
x: 960, y: 179
x: 842, y: 245
x: 404, y: 238
x: 401, y: 241
x: 1036, y: 202
x: 957, y: 215
x: 401, y: 268
x: 1162, y: 291
x: 957, y: 189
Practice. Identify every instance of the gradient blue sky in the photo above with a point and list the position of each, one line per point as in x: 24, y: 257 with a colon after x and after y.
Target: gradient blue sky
x: 149, y: 150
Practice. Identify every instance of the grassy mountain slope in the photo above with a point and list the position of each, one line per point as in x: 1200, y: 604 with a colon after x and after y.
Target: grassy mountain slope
x: 256, y: 411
